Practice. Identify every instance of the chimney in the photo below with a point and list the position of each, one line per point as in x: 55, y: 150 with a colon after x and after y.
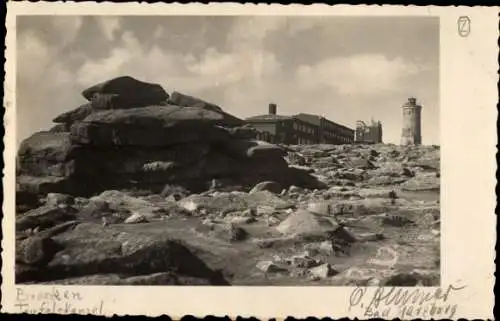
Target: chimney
x: 272, y: 109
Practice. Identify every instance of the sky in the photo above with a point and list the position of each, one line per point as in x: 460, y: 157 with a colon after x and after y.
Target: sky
x: 343, y: 68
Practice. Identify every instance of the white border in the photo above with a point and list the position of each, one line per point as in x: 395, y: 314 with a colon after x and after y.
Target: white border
x: 468, y: 77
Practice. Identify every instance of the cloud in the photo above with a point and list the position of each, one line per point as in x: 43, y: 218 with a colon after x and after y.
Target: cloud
x: 109, y: 25
x: 31, y: 48
x: 250, y: 32
x: 67, y: 28
x: 236, y: 66
x: 358, y: 74
x: 241, y: 63
x: 131, y: 57
x: 159, y: 33
x: 42, y: 86
x: 304, y: 23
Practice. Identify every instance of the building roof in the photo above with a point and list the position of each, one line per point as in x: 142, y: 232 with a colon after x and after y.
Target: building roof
x: 312, y: 119
x: 316, y: 120
x: 267, y: 118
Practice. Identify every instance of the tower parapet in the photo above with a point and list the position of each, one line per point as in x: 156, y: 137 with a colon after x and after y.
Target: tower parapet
x: 411, y: 134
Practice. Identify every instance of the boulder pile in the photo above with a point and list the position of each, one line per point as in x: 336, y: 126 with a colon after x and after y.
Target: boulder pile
x: 132, y: 134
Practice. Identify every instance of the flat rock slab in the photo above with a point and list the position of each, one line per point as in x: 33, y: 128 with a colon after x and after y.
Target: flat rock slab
x: 150, y: 126
x: 228, y: 202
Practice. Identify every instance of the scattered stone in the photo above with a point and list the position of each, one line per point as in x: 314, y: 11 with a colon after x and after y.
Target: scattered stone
x: 294, y: 190
x: 396, y: 220
x: 237, y: 234
x: 269, y: 267
x: 249, y: 212
x: 270, y: 186
x: 265, y: 210
x: 323, y: 271
x: 321, y: 208
x: 136, y: 218
x: 427, y: 182
x: 303, y: 261
x: 176, y: 192
x: 272, y: 221
x: 56, y: 199
x: 95, y: 209
x: 386, y: 256
x: 304, y: 222
x: 36, y: 250
x: 367, y: 237
x: 326, y: 247
x: 242, y: 220
x: 45, y: 217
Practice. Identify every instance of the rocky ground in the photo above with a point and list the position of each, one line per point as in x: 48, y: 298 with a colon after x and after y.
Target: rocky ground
x: 377, y: 223
x: 142, y: 187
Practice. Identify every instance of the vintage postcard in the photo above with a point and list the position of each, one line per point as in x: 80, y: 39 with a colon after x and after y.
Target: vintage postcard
x: 250, y: 160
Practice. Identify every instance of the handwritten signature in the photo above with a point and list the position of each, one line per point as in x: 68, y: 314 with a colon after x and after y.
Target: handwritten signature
x: 404, y: 303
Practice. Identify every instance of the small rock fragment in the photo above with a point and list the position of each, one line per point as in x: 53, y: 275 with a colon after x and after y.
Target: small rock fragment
x: 269, y: 267
x: 136, y: 218
x: 270, y: 186
x: 323, y: 271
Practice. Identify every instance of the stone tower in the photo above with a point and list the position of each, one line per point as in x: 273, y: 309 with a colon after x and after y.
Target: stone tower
x: 411, y: 123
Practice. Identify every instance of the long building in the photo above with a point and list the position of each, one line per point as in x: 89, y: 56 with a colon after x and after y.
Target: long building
x: 282, y: 129
x: 329, y: 132
x: 299, y: 129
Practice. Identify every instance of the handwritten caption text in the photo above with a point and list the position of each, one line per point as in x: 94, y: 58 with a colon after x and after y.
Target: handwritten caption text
x: 404, y: 303
x: 57, y: 301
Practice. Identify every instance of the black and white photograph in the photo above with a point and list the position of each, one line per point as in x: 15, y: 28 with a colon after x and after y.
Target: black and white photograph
x: 228, y: 150
x: 249, y: 160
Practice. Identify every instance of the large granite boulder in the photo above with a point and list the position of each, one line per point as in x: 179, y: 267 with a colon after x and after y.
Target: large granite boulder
x: 124, y: 92
x: 130, y: 135
x: 45, y: 217
x: 28, y: 187
x: 90, y: 249
x: 303, y: 222
x: 59, y: 128
x: 75, y: 115
x: 184, y: 100
x: 254, y: 149
x: 44, y: 154
x: 149, y: 126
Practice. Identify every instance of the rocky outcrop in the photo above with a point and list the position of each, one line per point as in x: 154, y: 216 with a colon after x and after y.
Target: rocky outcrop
x: 138, y: 138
